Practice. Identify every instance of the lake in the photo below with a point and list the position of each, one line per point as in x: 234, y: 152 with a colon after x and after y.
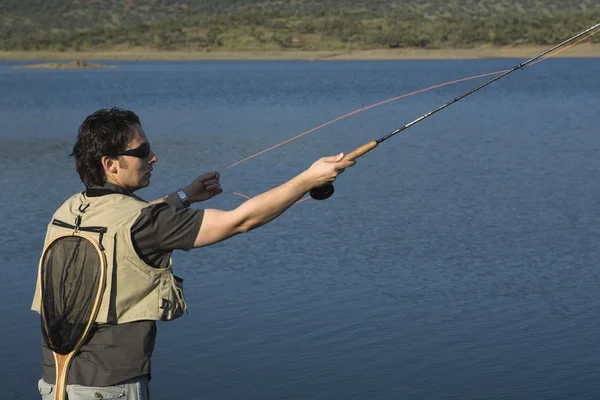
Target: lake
x: 458, y: 260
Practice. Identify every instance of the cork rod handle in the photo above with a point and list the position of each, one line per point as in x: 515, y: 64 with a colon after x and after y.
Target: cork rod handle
x: 359, y: 151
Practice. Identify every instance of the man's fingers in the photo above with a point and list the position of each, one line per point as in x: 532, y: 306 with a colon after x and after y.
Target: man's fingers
x: 211, y: 182
x: 208, y: 176
x: 334, y: 159
x: 338, y: 159
x: 341, y: 166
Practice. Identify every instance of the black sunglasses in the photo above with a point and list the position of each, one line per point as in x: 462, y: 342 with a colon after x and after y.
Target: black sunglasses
x: 142, y: 151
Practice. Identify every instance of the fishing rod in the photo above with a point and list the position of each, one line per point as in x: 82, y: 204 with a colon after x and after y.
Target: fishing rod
x: 325, y: 191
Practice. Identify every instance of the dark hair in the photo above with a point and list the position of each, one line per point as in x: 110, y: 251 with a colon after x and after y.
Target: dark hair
x: 104, y: 132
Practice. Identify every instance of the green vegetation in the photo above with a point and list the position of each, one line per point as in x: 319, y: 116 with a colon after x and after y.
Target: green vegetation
x: 196, y: 25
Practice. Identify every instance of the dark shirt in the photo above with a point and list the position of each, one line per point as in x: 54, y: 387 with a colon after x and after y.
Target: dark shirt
x: 115, y: 353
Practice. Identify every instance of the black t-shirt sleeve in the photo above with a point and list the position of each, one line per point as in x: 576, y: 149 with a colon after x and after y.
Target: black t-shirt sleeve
x: 162, y: 228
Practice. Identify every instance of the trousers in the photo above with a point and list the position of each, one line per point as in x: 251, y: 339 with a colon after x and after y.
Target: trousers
x: 132, y: 389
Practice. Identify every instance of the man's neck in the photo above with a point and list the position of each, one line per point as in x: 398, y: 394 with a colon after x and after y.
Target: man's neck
x: 109, y: 188
x: 116, y: 186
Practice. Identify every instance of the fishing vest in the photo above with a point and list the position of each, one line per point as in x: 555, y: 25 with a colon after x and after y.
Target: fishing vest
x: 134, y: 290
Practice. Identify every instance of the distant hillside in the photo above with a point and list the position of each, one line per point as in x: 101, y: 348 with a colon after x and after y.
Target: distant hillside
x: 299, y: 24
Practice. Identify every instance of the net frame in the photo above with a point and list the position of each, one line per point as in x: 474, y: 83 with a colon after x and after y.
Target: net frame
x: 63, y: 362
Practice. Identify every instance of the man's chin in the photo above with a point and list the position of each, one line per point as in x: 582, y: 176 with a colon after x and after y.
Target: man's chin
x: 143, y: 183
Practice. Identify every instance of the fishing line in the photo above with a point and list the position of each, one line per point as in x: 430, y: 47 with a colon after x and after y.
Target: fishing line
x: 327, y: 190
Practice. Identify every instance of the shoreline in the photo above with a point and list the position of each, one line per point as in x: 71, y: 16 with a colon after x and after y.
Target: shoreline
x: 584, y: 50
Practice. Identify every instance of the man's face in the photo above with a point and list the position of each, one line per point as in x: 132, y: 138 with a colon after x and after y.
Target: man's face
x: 134, y: 171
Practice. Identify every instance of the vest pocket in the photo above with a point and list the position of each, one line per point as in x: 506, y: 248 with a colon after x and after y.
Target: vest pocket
x: 142, y: 271
x: 147, y: 293
x: 136, y: 292
x: 172, y: 301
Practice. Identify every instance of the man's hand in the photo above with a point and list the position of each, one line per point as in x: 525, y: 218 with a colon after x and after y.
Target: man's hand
x: 204, y: 187
x: 326, y: 169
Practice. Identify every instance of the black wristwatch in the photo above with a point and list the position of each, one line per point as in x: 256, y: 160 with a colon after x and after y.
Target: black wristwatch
x: 184, y: 198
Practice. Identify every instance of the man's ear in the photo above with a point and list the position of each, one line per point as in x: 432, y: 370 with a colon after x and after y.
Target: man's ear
x: 109, y: 164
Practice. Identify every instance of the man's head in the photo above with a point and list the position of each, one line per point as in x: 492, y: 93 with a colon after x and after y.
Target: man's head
x: 112, y: 147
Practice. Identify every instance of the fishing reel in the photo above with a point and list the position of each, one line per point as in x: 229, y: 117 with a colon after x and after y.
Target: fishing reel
x: 322, y: 192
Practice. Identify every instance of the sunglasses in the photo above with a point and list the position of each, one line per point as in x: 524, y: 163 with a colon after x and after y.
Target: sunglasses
x: 143, y: 151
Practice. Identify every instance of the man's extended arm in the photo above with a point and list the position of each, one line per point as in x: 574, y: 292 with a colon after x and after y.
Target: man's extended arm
x: 219, y: 225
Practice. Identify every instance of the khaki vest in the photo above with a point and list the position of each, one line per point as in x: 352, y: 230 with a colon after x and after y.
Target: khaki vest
x: 134, y: 290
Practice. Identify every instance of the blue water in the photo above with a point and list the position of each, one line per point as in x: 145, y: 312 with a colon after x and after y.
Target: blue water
x: 458, y: 260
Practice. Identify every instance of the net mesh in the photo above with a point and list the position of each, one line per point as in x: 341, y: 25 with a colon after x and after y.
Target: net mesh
x: 70, y: 276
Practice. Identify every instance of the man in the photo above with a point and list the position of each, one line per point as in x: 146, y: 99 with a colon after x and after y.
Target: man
x: 114, y: 159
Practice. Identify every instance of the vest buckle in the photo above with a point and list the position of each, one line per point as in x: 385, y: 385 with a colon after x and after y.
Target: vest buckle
x: 166, y: 304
